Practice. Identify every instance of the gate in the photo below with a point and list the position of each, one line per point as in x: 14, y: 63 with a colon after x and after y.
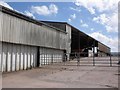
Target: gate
x: 83, y: 59
x: 77, y: 59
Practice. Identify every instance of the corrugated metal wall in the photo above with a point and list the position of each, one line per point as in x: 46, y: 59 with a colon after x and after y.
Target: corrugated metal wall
x: 49, y: 56
x: 103, y: 48
x: 18, y: 57
x: 57, y: 25
x: 0, y: 49
x: 0, y: 39
x: 68, y: 43
x: 1, y: 19
x: 24, y: 32
x: 21, y: 57
x: 0, y: 56
x: 20, y: 40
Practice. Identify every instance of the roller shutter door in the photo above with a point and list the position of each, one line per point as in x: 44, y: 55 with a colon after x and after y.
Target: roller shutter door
x: 18, y: 57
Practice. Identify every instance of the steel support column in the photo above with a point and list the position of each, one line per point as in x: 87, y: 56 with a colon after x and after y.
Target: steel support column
x: 79, y: 49
x: 94, y: 53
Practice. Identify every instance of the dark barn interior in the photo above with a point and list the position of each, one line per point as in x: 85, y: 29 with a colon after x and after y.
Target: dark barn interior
x: 81, y: 42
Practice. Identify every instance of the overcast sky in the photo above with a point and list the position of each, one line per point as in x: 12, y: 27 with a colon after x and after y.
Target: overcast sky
x: 98, y: 18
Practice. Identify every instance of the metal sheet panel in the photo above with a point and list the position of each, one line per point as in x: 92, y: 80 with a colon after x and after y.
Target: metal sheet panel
x: 29, y: 57
x: 18, y: 28
x: 54, y: 42
x: 41, y: 56
x: 35, y: 56
x: 32, y: 57
x: 23, y: 37
x: 47, y: 56
x: 4, y: 56
x: 37, y: 36
x: 21, y: 34
x: 27, y: 27
x: 18, y: 57
x: 1, y: 25
x: 0, y: 56
x: 25, y: 57
x: 51, y: 40
x: 18, y: 47
x: 103, y: 48
x: 45, y: 37
x: 9, y: 57
x: 65, y: 42
x: 13, y: 57
x: 22, y: 57
x: 24, y: 32
x: 62, y: 41
x: 34, y: 34
x: 57, y: 40
x: 11, y: 30
x: 30, y: 31
x: 14, y: 31
x: 4, y: 28
x: 42, y: 37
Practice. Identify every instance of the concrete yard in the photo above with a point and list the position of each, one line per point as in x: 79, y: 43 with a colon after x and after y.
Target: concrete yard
x: 63, y: 76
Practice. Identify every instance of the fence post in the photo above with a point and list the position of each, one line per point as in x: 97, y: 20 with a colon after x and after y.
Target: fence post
x: 110, y: 61
x: 93, y: 60
x: 52, y: 58
x: 78, y: 61
x: 65, y: 57
x: 79, y: 58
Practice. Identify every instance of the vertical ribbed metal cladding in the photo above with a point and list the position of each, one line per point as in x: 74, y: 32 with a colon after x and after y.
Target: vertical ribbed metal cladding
x: 1, y: 23
x: 20, y: 31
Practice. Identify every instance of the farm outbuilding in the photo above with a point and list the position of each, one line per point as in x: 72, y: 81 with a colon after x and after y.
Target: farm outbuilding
x: 27, y: 43
x: 81, y: 42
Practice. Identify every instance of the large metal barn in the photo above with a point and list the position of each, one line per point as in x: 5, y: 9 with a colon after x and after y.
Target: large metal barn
x: 81, y: 42
x: 28, y: 43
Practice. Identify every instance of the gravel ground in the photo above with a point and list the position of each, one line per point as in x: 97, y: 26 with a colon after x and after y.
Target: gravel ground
x: 63, y: 76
